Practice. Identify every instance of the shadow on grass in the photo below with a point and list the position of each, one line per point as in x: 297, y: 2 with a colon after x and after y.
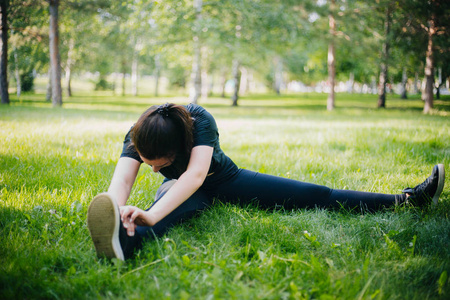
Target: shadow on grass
x: 310, y: 102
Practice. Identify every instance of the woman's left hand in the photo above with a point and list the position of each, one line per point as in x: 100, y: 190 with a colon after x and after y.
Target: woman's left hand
x: 132, y: 217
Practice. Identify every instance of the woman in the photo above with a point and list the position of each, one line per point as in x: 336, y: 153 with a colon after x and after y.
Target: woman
x: 182, y: 143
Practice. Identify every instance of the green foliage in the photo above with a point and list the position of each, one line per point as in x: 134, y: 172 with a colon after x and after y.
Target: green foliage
x: 27, y: 81
x: 54, y: 161
x: 177, y: 77
x: 106, y: 36
x: 102, y: 85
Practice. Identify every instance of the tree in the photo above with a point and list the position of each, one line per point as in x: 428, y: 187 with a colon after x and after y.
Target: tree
x: 236, y: 81
x: 429, y: 62
x: 384, y: 58
x: 196, y: 61
x: 55, y: 60
x: 427, y: 23
x: 4, y: 52
x: 331, y: 56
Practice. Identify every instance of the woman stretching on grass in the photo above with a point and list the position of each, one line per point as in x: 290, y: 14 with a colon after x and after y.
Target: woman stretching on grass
x: 182, y: 143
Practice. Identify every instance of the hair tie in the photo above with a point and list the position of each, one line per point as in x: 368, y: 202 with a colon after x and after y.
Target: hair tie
x: 163, y: 110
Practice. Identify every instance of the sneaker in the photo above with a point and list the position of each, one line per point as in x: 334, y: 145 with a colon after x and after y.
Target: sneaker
x: 107, y: 232
x: 429, y: 190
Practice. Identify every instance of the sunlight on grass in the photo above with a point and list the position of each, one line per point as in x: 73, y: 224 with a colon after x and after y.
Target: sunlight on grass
x: 53, y: 161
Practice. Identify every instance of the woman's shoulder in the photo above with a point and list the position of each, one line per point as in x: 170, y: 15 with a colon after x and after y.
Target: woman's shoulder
x: 195, y: 108
x: 199, y: 113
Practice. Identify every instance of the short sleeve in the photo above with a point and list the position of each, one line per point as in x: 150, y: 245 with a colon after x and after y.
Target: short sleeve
x: 128, y: 149
x: 205, y: 127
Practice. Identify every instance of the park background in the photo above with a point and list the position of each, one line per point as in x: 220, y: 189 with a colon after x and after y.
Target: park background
x: 75, y: 75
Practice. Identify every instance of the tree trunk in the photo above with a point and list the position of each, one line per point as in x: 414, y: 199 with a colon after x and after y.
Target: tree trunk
x: 205, y: 84
x: 439, y: 83
x: 17, y: 73
x: 157, y: 73
x: 134, y: 75
x: 278, y: 74
x: 243, y: 86
x: 134, y: 66
x: 384, y: 60
x: 211, y: 85
x: 205, y: 76
x: 429, y: 68
x: 416, y: 82
x: 196, y: 75
x: 114, y: 75
x: 404, y: 80
x: 4, y: 53
x: 68, y: 68
x: 331, y: 57
x: 351, y: 83
x: 55, y: 60
x: 237, y: 80
x: 48, y: 96
x: 123, y: 76
x: 223, y: 83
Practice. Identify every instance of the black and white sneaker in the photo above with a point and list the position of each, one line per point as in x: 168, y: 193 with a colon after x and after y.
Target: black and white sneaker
x: 107, y: 232
x: 429, y: 190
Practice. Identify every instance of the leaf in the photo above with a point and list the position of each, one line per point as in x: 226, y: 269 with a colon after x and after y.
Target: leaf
x: 71, y: 271
x: 186, y: 260
x: 442, y: 281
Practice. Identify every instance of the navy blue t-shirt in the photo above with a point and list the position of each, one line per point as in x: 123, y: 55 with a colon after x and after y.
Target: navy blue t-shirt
x: 205, y: 134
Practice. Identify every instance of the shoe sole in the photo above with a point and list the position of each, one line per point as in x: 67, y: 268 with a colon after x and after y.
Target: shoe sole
x: 440, y: 186
x: 103, y: 221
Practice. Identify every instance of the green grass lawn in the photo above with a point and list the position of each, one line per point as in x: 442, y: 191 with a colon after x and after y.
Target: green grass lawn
x: 54, y: 161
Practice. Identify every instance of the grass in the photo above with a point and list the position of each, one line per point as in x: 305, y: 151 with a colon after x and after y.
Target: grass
x: 53, y: 161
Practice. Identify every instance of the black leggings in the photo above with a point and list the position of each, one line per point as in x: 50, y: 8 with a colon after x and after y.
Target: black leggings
x: 266, y: 191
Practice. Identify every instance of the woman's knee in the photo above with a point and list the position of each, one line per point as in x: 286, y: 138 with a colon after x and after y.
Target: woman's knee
x: 164, y: 188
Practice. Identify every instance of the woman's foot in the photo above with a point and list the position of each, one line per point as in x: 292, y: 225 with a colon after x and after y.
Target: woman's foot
x: 107, y: 232
x: 429, y: 190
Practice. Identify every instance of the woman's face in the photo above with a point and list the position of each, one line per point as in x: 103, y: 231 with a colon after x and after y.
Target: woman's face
x: 159, y: 163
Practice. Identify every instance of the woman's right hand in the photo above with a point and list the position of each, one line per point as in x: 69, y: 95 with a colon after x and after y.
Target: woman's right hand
x: 132, y: 217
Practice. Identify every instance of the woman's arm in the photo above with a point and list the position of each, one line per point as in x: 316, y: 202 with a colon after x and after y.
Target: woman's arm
x: 123, y: 179
x: 186, y: 185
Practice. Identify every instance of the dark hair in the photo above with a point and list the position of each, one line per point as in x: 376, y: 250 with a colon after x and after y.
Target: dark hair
x: 164, y: 131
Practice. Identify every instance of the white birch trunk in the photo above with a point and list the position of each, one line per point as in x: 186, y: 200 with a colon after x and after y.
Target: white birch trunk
x: 237, y: 80
x: 134, y: 76
x: 17, y: 74
x: 157, y: 73
x: 403, y: 94
x: 243, y: 86
x: 278, y: 62
x: 68, y: 68
x: 55, y: 60
x: 331, y: 57
x: 196, y: 62
x: 416, y: 83
x: 384, y: 61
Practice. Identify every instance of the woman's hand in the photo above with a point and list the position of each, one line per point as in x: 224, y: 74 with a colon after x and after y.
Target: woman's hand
x: 132, y: 217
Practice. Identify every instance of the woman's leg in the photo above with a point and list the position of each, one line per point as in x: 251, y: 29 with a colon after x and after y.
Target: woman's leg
x: 198, y: 201
x: 278, y: 192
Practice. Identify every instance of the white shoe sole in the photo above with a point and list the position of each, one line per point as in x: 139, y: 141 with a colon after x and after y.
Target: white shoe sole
x: 440, y: 186
x: 103, y: 221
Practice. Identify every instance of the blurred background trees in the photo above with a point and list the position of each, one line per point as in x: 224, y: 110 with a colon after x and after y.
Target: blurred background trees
x: 228, y: 47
